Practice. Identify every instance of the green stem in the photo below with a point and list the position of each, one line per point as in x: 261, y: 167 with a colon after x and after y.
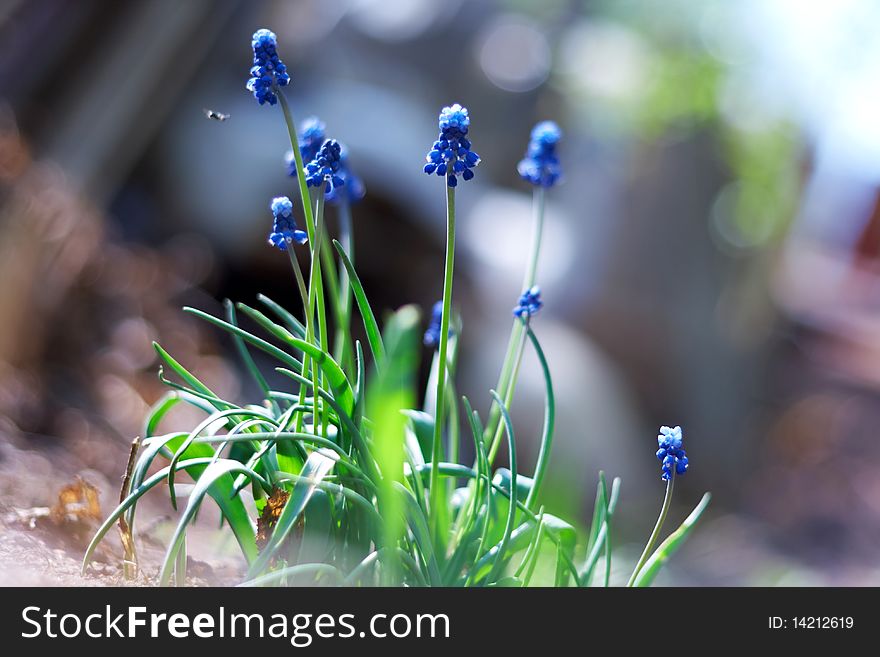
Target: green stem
x: 656, y: 533
x: 510, y: 367
x: 511, y: 387
x: 300, y: 172
x: 316, y: 290
x: 343, y: 347
x: 437, y: 447
x: 306, y: 361
x: 300, y: 281
x: 305, y: 199
x: 537, y: 234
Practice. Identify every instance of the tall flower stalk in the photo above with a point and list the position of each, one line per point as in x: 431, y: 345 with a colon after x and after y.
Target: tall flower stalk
x: 450, y: 156
x: 541, y: 168
x: 674, y: 461
x: 268, y: 76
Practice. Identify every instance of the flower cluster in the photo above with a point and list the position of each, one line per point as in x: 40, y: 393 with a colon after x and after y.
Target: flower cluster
x: 451, y: 154
x: 541, y: 165
x: 268, y: 71
x: 325, y: 166
x: 529, y: 303
x: 432, y: 335
x: 284, y: 230
x: 353, y: 187
x: 671, y: 454
x: 312, y: 133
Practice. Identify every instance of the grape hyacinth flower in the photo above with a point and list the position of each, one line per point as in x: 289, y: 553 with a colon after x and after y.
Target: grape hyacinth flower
x: 541, y: 166
x: 312, y: 133
x: 268, y: 72
x: 432, y: 334
x: 529, y: 303
x: 451, y: 154
x: 284, y: 230
x: 325, y: 166
x: 671, y: 454
x: 353, y: 187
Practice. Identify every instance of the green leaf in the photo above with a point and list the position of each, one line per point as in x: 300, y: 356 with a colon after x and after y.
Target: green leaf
x: 600, y: 508
x: 259, y: 343
x: 243, y: 352
x: 316, y: 468
x: 347, y: 424
x: 132, y: 497
x: 293, y: 324
x: 372, y: 328
x: 508, y: 582
x: 204, y: 424
x: 422, y: 432
x: 150, y: 448
x: 603, y: 535
x: 671, y: 544
x: 549, y: 422
x: 217, y: 481
x: 158, y: 411
x: 190, y: 379
x: 419, y: 527
x: 609, y: 516
x: 392, y: 391
x: 267, y: 324
x: 511, y: 515
x: 315, y: 570
x: 339, y: 384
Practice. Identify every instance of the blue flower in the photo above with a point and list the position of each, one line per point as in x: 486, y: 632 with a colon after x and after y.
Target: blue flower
x: 353, y: 187
x: 312, y: 133
x: 268, y: 72
x: 529, y: 303
x: 451, y: 154
x: 284, y: 230
x: 325, y: 166
x: 432, y: 335
x: 540, y: 165
x: 671, y: 454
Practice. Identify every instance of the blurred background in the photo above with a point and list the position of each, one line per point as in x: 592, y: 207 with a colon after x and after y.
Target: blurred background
x: 711, y: 259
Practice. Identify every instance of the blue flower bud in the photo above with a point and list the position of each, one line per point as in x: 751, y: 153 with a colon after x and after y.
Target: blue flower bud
x: 325, y: 166
x: 451, y: 154
x: 671, y: 453
x: 268, y: 71
x: 541, y: 165
x: 529, y: 303
x: 432, y: 334
x: 284, y: 229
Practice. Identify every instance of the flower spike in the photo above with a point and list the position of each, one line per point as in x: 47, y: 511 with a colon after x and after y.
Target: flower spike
x: 451, y: 154
x: 284, y: 230
x: 541, y: 165
x: 268, y: 71
x: 671, y: 454
x: 529, y: 303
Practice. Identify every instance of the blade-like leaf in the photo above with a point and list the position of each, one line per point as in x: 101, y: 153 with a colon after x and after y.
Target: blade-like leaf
x: 259, y: 343
x: 511, y: 515
x: 132, y: 497
x: 243, y: 352
x: 237, y: 413
x: 316, y: 467
x: 671, y: 544
x: 339, y: 385
x: 372, y: 328
x: 313, y: 569
x: 217, y: 481
x: 293, y: 324
x: 549, y: 422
